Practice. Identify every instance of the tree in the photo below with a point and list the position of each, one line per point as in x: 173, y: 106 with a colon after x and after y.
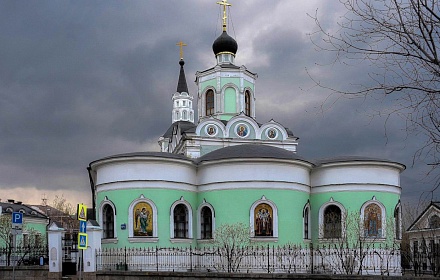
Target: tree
x: 231, y: 241
x: 401, y: 41
x: 351, y: 251
x: 61, y: 203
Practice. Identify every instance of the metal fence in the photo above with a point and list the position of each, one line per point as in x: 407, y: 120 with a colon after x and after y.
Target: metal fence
x: 267, y: 259
x: 17, y: 256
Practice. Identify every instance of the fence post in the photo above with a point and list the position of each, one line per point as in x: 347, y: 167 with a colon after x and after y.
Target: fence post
x: 157, y: 260
x: 311, y: 262
x: 190, y: 258
x: 268, y: 259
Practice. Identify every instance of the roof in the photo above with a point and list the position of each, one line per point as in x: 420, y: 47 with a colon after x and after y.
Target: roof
x: 184, y: 126
x: 27, y: 210
x: 224, y: 43
x: 181, y: 84
x: 251, y: 151
x: 145, y: 154
x: 341, y: 159
x: 433, y: 204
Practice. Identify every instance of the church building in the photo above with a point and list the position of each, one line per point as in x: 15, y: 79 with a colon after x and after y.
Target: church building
x: 222, y: 166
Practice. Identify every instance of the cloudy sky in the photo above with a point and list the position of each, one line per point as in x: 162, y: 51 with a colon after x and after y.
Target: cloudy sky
x: 81, y: 80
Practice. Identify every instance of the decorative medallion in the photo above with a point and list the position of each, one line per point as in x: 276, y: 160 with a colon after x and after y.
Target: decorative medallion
x: 211, y: 130
x: 242, y: 130
x: 271, y: 133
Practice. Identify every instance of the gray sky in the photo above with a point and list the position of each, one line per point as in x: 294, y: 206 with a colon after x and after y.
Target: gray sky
x: 81, y: 80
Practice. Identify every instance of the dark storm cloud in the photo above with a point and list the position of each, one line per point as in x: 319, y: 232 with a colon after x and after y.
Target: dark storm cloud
x: 83, y: 80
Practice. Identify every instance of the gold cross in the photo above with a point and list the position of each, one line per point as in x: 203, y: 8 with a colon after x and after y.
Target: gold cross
x: 224, y: 3
x: 181, y: 45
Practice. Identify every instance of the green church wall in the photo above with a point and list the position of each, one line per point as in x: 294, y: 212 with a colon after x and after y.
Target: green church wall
x: 225, y: 81
x: 248, y: 84
x: 352, y: 202
x: 230, y: 100
x: 162, y: 198
x: 208, y: 83
x: 230, y: 210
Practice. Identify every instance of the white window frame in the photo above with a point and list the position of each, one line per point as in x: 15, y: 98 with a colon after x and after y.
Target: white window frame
x: 190, y: 219
x: 142, y: 198
x: 309, y: 235
x: 274, y: 219
x: 199, y: 218
x: 106, y: 201
x: 321, y: 218
x: 383, y: 214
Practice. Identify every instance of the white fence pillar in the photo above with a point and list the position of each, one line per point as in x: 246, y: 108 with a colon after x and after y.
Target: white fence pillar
x: 94, y: 234
x: 55, y: 235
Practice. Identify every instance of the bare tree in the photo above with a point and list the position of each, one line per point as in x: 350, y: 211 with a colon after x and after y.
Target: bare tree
x: 401, y: 41
x: 231, y: 241
x: 61, y: 203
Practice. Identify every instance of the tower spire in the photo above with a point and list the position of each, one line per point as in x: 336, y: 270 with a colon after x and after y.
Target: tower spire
x: 224, y: 3
x: 181, y: 84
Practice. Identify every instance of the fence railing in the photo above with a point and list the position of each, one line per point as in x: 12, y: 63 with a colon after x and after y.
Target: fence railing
x: 267, y: 259
x: 28, y: 255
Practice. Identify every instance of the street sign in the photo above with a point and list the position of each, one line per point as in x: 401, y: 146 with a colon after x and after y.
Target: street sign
x: 82, y: 226
x: 82, y: 212
x: 82, y: 241
x: 17, y: 223
x: 17, y: 218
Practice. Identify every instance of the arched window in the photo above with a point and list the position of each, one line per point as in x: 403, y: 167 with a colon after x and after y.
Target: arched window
x: 177, y: 115
x: 306, y: 221
x: 180, y: 215
x: 185, y: 115
x: 397, y: 221
x: 108, y: 222
x: 206, y: 223
x: 247, y: 103
x: 332, y: 222
x: 434, y: 221
x: 372, y: 220
x: 107, y: 218
x: 263, y: 220
x: 142, y: 220
x: 209, y: 102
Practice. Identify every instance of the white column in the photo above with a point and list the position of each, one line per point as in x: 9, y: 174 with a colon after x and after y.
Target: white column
x: 55, y: 235
x: 94, y: 234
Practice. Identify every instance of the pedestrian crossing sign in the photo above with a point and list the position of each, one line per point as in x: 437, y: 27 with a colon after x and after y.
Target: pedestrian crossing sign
x: 82, y: 241
x: 82, y: 212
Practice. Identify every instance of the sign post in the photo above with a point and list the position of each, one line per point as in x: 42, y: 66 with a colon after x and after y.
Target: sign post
x: 17, y: 228
x: 82, y: 235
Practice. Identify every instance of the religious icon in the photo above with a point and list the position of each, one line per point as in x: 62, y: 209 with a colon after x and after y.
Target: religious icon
x: 212, y: 130
x: 263, y: 223
x: 142, y: 224
x: 242, y: 130
x: 272, y: 133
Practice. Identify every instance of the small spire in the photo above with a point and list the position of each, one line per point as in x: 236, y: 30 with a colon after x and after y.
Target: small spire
x: 224, y: 3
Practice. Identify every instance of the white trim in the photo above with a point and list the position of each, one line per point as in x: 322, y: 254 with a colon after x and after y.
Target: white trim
x: 190, y: 218
x: 145, y: 184
x: 104, y: 202
x: 383, y: 220
x: 131, y: 219
x: 274, y: 219
x: 321, y: 218
x: 199, y: 219
x: 143, y: 239
x: 233, y: 185
x: 356, y: 187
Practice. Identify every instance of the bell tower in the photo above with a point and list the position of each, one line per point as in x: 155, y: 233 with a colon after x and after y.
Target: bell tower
x: 226, y: 90
x: 182, y: 100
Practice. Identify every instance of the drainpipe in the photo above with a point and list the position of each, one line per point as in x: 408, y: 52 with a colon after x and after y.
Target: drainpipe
x: 92, y: 186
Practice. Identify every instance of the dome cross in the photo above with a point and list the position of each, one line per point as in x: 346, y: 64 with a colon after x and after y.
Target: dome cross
x: 181, y: 45
x: 224, y: 3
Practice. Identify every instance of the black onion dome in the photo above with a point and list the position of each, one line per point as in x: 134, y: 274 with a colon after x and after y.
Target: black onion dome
x: 225, y: 43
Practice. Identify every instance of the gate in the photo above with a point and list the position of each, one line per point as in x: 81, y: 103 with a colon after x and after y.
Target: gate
x: 70, y: 253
